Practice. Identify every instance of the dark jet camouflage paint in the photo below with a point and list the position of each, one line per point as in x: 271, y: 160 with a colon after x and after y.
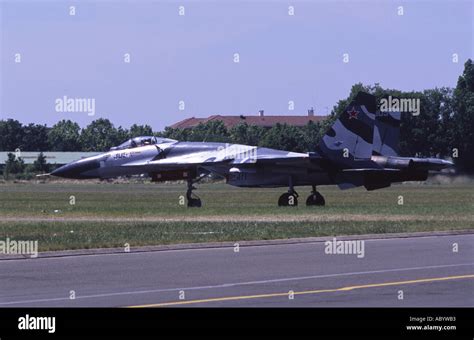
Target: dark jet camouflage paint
x: 359, y: 149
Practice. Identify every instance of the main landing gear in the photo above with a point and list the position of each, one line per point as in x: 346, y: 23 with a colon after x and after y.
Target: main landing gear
x: 290, y: 198
x: 315, y: 198
x: 193, y: 199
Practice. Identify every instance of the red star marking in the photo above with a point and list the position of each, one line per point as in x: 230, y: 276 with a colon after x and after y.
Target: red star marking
x: 353, y: 113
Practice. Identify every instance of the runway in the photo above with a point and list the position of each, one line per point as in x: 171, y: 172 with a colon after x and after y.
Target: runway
x: 395, y: 272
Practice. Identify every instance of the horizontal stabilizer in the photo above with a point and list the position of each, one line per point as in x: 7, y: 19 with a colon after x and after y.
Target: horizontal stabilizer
x: 43, y: 175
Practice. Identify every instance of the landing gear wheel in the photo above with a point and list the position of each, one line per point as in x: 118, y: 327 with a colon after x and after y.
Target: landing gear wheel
x: 194, y: 202
x: 288, y: 200
x: 315, y: 199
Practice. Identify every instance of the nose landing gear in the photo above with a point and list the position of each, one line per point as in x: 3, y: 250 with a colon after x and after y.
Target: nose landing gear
x: 193, y: 199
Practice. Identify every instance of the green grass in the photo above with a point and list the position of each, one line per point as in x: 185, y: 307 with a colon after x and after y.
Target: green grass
x: 43, y: 212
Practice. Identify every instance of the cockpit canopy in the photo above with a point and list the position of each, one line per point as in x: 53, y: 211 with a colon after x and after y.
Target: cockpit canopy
x: 142, y: 141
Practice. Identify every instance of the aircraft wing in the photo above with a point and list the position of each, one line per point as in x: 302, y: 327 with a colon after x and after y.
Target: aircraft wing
x: 234, y: 155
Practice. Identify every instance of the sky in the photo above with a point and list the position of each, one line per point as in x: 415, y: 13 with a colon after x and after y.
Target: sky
x: 181, y: 66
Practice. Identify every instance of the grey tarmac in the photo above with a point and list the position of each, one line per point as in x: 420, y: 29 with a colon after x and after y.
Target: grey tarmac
x: 425, y: 270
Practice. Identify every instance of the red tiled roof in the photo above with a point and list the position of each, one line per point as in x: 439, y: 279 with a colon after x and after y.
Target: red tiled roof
x: 264, y: 121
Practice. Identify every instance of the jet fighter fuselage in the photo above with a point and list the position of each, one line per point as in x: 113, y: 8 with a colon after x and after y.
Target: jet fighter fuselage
x: 359, y: 149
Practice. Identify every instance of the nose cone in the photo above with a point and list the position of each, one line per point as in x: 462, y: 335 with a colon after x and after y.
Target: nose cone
x: 78, y: 170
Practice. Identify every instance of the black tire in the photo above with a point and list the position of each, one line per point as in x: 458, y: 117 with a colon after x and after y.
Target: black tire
x: 288, y: 200
x: 194, y: 203
x: 315, y: 199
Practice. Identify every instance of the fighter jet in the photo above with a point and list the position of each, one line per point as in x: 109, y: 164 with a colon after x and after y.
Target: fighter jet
x: 359, y: 149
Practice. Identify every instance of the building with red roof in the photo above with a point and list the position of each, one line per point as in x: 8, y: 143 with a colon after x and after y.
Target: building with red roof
x: 258, y: 120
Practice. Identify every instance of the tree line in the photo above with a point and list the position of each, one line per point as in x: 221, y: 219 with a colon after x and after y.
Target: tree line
x: 66, y: 135
x: 444, y: 128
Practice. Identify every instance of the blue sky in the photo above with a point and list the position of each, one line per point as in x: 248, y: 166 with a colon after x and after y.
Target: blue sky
x: 283, y: 58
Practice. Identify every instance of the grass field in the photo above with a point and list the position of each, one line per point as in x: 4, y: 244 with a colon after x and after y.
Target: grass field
x: 110, y: 215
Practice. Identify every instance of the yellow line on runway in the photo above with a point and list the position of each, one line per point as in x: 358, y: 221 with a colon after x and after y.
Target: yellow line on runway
x: 331, y: 290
